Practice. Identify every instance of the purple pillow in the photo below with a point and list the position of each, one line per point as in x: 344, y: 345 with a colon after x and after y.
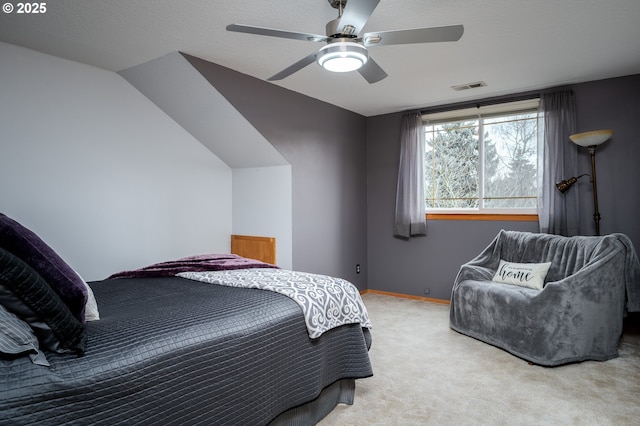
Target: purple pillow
x: 26, y: 245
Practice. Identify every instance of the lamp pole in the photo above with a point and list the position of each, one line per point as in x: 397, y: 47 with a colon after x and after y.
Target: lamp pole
x: 590, y: 140
x: 596, y: 214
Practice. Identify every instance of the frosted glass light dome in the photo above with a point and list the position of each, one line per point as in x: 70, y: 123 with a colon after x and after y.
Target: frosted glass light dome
x: 595, y: 137
x: 343, y: 56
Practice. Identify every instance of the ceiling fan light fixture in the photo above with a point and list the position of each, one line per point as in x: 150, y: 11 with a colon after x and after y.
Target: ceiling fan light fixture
x: 346, y: 48
x: 342, y: 56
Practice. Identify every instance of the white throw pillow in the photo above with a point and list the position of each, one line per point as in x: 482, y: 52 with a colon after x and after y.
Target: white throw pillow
x: 91, y: 308
x: 91, y: 312
x: 522, y: 274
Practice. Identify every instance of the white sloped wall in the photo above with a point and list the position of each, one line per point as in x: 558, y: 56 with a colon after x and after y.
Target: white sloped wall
x: 103, y: 175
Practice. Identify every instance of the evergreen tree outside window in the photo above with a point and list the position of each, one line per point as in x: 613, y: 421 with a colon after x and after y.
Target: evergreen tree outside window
x: 483, y: 160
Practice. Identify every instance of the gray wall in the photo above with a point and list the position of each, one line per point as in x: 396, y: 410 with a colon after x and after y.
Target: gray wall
x: 326, y: 147
x: 611, y: 104
x: 432, y: 262
x: 411, y: 266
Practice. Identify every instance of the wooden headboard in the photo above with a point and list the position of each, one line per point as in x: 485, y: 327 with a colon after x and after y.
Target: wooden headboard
x: 260, y: 248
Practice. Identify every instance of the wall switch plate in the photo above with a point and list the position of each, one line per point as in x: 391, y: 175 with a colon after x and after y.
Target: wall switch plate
x: 427, y: 291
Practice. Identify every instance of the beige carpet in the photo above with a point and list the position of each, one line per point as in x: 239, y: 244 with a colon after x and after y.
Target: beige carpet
x: 427, y: 374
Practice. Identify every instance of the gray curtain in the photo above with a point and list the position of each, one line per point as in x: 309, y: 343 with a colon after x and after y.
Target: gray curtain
x: 410, y: 204
x: 558, y: 212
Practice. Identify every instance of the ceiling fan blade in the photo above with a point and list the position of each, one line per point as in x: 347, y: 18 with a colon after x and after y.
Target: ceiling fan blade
x: 356, y: 14
x: 418, y: 35
x: 249, y: 29
x: 372, y: 72
x: 294, y: 67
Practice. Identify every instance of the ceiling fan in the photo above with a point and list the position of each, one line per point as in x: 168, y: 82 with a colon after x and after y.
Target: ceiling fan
x: 346, y: 50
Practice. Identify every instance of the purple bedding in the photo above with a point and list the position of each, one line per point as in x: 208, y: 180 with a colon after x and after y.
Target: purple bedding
x: 199, y: 263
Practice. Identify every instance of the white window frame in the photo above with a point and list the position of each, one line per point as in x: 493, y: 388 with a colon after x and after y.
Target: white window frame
x: 516, y: 107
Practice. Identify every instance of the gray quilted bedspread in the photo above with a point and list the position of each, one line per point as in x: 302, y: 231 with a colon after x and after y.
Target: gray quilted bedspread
x: 174, y: 351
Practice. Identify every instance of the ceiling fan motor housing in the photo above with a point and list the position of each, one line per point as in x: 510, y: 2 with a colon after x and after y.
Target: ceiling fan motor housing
x: 331, y: 30
x: 337, y: 4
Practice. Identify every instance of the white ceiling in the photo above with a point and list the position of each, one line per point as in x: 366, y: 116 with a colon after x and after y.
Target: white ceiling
x: 512, y: 45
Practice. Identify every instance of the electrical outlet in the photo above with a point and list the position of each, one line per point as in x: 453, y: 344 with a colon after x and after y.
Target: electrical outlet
x: 427, y: 290
x: 358, y: 268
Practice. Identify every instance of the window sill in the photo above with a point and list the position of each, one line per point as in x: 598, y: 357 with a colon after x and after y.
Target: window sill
x: 483, y: 216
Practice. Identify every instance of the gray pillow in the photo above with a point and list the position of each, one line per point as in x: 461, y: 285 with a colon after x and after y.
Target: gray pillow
x: 17, y: 338
x: 27, y: 295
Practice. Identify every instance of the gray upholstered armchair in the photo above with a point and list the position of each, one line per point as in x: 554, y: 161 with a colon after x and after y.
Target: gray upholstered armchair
x: 577, y: 315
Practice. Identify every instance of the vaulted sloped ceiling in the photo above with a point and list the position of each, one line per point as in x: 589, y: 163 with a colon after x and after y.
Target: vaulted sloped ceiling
x: 173, y: 84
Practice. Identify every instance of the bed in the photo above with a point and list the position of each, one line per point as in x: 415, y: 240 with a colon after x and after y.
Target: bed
x: 180, y: 350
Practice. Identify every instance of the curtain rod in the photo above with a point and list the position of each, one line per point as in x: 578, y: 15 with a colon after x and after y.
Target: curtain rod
x: 490, y: 101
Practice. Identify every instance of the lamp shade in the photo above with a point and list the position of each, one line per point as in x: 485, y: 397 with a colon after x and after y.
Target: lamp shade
x: 595, y: 137
x: 342, y: 56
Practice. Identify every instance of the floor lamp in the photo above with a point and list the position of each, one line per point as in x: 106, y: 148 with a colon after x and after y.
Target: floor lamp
x: 589, y: 140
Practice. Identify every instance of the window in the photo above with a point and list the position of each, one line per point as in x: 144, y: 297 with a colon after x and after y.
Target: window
x: 483, y: 160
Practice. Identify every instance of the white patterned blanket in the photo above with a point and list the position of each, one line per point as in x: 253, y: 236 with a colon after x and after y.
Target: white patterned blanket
x: 326, y: 302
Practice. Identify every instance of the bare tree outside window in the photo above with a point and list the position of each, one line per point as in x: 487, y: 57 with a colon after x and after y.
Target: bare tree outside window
x: 489, y: 163
x: 513, y: 183
x: 451, y: 165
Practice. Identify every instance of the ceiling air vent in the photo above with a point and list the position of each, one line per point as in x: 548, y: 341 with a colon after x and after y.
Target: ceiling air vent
x: 466, y: 86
